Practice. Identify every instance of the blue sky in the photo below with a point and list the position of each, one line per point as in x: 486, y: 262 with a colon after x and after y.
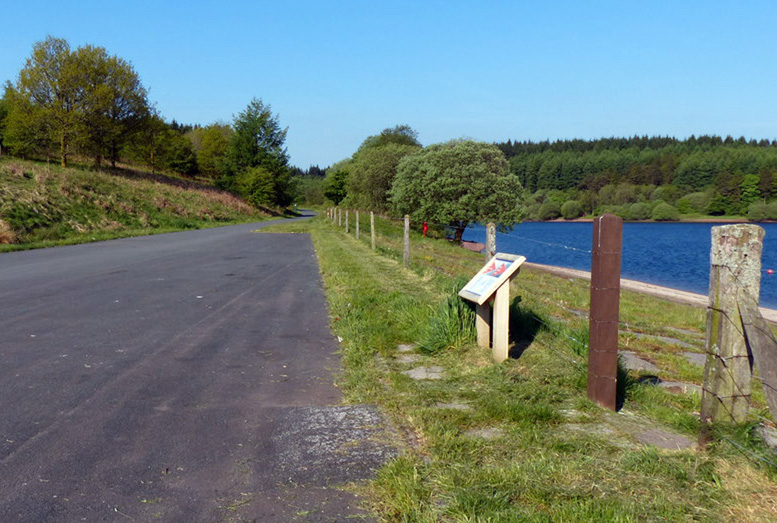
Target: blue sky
x: 336, y: 72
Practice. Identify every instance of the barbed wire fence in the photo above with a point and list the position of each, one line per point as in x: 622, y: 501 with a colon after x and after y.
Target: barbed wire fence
x: 385, y: 235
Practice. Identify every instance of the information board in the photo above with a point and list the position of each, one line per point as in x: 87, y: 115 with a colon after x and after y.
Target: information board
x: 494, y: 273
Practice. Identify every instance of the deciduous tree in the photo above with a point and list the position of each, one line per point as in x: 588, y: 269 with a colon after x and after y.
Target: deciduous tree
x: 457, y: 183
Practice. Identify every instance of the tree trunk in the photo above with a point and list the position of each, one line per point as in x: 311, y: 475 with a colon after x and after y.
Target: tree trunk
x: 458, y: 231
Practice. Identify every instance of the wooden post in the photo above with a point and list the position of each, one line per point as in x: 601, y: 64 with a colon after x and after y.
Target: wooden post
x: 357, y: 225
x: 490, y: 241
x: 339, y: 217
x: 501, y: 325
x: 483, y: 324
x: 735, y: 280
x: 372, y: 230
x: 347, y: 229
x: 603, y: 316
x: 763, y: 347
x: 406, y: 252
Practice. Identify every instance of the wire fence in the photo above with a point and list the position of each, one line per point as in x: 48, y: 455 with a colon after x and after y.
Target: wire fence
x: 560, y: 318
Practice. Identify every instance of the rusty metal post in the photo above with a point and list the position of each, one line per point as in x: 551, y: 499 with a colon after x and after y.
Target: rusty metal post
x: 490, y: 241
x: 406, y: 251
x: 605, y: 303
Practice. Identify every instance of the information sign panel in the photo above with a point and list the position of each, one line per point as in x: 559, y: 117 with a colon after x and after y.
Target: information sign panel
x: 494, y: 273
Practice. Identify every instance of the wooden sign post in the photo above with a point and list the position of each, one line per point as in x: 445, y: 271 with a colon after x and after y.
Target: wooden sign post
x: 493, y: 322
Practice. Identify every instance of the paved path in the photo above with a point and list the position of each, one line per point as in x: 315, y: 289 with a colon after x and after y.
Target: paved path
x: 178, y: 377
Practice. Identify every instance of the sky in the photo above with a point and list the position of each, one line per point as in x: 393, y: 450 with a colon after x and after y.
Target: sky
x: 336, y: 72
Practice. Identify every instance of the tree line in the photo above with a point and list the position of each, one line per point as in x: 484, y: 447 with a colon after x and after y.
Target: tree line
x: 88, y: 104
x: 706, y: 175
x: 450, y: 184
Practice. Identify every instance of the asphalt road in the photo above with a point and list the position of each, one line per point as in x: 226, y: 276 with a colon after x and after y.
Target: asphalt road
x: 178, y: 377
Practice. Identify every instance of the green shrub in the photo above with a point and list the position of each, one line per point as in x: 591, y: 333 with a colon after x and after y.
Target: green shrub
x: 639, y: 211
x: 571, y: 209
x: 549, y: 210
x: 758, y: 212
x: 694, y: 203
x: 663, y: 212
x: 771, y: 211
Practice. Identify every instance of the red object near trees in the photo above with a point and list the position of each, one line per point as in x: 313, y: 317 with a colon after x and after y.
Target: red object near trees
x: 425, y: 228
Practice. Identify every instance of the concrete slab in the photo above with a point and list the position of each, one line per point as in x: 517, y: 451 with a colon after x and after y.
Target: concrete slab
x: 633, y: 362
x: 681, y: 387
x: 695, y: 358
x: 664, y: 439
x: 425, y: 373
x: 408, y: 358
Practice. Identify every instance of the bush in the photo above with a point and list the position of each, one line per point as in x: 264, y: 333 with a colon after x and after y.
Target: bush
x: 758, y: 212
x: 549, y: 211
x: 694, y: 203
x: 639, y: 211
x: 663, y: 212
x: 571, y: 210
x: 771, y: 211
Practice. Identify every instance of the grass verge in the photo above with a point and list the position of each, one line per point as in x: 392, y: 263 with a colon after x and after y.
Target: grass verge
x: 44, y: 205
x: 520, y: 441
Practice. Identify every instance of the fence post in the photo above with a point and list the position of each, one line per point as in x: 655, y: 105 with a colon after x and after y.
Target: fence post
x: 735, y: 280
x: 406, y: 252
x: 372, y: 230
x: 490, y: 240
x: 603, y: 316
x: 357, y: 225
x: 339, y: 217
x: 347, y: 228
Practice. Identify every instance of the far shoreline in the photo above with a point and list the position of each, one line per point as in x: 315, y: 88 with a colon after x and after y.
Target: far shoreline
x: 695, y: 220
x: 667, y: 293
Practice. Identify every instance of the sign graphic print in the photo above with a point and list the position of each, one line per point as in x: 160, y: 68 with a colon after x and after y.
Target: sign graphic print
x: 496, y: 272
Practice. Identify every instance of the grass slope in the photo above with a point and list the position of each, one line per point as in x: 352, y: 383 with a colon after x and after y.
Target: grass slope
x: 43, y: 205
x: 551, y: 455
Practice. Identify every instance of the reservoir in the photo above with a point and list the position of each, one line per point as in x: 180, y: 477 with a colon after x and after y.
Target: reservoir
x: 673, y: 255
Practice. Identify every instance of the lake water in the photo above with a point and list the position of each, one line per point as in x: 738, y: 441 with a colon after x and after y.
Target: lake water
x: 673, y: 255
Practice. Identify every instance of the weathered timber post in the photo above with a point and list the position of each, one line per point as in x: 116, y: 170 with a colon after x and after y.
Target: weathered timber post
x: 372, y: 230
x: 357, y: 225
x: 339, y: 217
x: 735, y: 281
x: 490, y: 240
x: 603, y: 316
x: 406, y: 252
x: 483, y: 324
x: 347, y: 228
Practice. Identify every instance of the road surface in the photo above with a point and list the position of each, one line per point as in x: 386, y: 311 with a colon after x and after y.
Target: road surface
x: 177, y: 377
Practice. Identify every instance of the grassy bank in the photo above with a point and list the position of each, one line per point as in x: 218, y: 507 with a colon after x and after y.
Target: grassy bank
x: 43, y: 205
x: 520, y: 441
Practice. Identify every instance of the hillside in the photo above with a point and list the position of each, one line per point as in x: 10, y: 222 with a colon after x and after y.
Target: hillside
x: 43, y: 204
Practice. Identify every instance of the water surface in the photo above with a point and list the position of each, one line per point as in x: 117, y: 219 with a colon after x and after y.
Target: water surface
x: 674, y: 255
